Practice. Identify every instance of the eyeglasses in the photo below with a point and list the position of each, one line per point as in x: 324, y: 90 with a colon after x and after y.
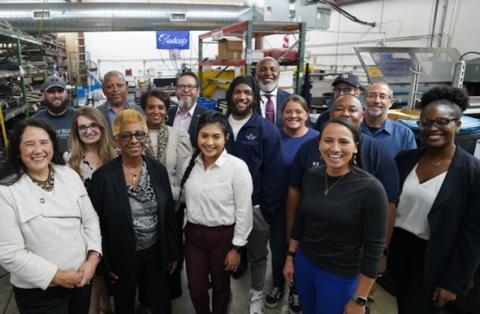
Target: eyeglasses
x: 440, y: 122
x: 127, y: 137
x: 343, y: 91
x: 92, y: 126
x: 187, y: 86
x: 375, y: 95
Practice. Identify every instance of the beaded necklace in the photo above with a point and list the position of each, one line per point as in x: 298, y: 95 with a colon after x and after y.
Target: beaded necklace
x: 46, y: 185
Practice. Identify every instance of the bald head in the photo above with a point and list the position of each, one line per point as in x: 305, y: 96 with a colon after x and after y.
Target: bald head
x: 267, y: 74
x: 349, y: 107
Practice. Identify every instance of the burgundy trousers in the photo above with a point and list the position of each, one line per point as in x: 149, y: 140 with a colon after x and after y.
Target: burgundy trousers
x: 205, y: 252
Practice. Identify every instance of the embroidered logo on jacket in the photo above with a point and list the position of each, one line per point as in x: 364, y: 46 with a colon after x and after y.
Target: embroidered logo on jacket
x: 251, y: 136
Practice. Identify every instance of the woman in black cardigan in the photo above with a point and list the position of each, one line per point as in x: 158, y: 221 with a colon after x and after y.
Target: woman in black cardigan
x: 435, y: 247
x: 134, y: 202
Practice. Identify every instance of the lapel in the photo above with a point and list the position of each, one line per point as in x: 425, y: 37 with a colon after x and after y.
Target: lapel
x: 453, y: 178
x: 121, y: 192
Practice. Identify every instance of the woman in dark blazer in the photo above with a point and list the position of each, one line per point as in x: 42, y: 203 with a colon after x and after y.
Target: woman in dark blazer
x: 133, y: 198
x: 435, y: 248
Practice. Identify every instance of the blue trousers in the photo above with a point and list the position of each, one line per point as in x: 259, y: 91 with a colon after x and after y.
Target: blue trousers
x: 321, y: 292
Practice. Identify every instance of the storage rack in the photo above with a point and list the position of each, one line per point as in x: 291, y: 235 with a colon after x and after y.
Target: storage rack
x: 248, y: 31
x: 54, y: 50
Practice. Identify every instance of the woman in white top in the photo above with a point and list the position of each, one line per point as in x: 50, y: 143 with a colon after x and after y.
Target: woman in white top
x: 218, y: 189
x: 90, y: 146
x: 49, y: 232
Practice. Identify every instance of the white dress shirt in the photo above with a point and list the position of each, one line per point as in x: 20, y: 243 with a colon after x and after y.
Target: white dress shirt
x: 264, y: 99
x: 183, y: 120
x: 221, y: 195
x: 415, y: 203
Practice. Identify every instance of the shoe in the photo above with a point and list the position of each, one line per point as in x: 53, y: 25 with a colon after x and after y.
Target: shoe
x: 294, y: 302
x: 273, y: 297
x: 256, y: 302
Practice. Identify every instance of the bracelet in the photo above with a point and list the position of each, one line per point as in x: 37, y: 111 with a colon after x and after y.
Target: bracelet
x: 290, y: 253
x: 98, y: 255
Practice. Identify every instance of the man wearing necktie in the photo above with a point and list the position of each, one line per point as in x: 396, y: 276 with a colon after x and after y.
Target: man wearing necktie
x: 272, y: 98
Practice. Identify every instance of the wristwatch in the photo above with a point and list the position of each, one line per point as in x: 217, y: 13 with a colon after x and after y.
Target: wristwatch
x: 238, y: 248
x: 360, y: 300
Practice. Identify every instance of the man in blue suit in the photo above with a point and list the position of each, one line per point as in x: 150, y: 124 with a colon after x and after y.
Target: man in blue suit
x: 272, y: 97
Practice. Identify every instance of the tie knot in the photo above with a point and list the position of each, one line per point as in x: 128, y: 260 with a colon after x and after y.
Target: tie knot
x: 269, y: 96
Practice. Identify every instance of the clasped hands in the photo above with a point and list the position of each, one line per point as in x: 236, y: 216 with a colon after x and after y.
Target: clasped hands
x: 77, y: 278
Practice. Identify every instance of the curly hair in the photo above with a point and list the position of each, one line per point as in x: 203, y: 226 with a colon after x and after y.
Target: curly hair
x: 13, y: 167
x: 453, y: 97
x: 250, y: 81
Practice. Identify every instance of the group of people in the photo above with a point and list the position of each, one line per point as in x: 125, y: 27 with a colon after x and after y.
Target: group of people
x: 113, y: 203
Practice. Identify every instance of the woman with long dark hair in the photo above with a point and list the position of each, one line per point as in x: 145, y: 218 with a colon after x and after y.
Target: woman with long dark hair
x: 49, y: 232
x: 338, y: 235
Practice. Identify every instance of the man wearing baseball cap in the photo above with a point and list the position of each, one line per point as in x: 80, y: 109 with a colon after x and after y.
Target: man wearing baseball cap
x: 344, y: 84
x: 57, y: 113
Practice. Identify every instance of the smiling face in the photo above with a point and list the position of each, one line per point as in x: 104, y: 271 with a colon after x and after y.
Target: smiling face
x: 156, y: 111
x: 186, y: 92
x: 131, y: 140
x: 116, y: 90
x: 36, y: 151
x: 337, y: 147
x: 294, y: 117
x: 348, y: 107
x: 211, y: 141
x: 267, y: 75
x: 242, y: 99
x: 88, y: 131
x: 378, y: 99
x: 433, y: 134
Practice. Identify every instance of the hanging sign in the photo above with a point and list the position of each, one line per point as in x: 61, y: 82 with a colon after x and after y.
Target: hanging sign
x: 173, y: 40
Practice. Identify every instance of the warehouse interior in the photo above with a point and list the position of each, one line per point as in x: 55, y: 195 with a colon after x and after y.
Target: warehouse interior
x: 413, y: 45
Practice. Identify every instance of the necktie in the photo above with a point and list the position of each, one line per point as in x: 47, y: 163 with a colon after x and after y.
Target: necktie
x: 269, y: 111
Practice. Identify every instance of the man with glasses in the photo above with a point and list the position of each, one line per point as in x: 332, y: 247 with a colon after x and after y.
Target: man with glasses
x: 344, y: 84
x: 392, y: 135
x: 58, y: 114
x: 186, y: 113
x: 116, y: 90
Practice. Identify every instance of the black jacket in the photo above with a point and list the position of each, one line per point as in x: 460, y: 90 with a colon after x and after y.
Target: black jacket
x: 109, y: 196
x: 453, y: 251
x: 192, y: 129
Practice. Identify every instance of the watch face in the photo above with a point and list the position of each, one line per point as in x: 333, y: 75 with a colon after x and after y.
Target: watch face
x: 360, y: 301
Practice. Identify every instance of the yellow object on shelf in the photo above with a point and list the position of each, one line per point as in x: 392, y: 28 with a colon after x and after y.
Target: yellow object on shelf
x: 405, y: 114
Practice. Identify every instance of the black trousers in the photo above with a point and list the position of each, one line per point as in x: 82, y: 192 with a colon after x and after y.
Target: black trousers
x: 150, y: 277
x: 54, y: 300
x: 406, y: 266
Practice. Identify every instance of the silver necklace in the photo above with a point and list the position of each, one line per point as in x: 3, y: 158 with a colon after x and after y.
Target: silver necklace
x: 327, y: 190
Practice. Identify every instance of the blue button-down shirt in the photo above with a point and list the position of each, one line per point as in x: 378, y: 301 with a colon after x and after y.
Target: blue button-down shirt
x: 392, y: 135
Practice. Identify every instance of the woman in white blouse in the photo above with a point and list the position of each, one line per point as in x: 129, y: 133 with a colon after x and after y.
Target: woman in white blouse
x: 218, y: 189
x: 49, y: 232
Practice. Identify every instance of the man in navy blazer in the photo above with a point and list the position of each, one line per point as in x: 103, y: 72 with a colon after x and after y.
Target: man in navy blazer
x: 185, y: 114
x: 267, y: 74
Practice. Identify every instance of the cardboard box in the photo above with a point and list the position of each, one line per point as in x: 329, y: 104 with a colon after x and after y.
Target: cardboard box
x: 230, y: 48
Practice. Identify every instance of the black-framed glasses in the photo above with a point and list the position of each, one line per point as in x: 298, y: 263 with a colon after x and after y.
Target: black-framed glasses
x: 439, y: 122
x: 186, y: 86
x: 343, y: 91
x: 92, y: 126
x: 375, y: 95
x: 127, y: 136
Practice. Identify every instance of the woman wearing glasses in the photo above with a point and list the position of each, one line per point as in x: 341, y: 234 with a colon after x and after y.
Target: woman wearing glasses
x: 90, y: 146
x: 133, y: 198
x: 435, y: 247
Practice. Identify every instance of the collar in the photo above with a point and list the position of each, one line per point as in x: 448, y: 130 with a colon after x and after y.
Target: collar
x: 190, y: 112
x: 273, y: 93
x: 219, y: 162
x: 109, y: 106
x: 386, y: 126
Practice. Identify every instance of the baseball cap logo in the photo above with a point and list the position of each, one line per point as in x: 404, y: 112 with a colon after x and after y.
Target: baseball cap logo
x: 345, y: 76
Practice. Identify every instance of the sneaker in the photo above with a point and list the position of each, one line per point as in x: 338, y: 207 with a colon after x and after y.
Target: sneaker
x: 273, y: 297
x: 294, y: 302
x: 256, y: 302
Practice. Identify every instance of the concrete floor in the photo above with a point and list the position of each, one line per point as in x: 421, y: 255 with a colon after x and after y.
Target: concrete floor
x: 384, y: 302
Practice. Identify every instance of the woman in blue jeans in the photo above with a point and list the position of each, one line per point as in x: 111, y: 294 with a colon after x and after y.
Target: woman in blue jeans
x: 337, y: 238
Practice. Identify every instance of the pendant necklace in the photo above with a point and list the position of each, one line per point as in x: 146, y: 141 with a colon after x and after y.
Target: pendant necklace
x: 327, y: 190
x: 133, y: 174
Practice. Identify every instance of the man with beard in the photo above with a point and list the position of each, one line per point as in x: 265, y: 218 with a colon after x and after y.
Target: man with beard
x: 257, y: 142
x: 57, y: 114
x: 116, y: 90
x: 185, y: 115
x: 392, y: 135
x: 272, y: 98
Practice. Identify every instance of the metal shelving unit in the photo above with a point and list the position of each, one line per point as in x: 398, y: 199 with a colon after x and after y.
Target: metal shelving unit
x: 250, y: 31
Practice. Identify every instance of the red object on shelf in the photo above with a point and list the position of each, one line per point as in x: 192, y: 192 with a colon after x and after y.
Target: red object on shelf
x: 283, y: 53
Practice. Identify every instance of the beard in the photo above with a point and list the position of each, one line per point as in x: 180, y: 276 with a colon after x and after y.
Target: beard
x: 186, y: 103
x: 267, y: 88
x: 241, y: 113
x: 57, y: 109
